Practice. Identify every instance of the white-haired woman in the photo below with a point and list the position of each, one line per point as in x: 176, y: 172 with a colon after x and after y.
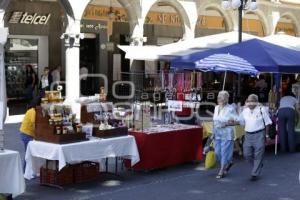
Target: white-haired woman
x: 224, y: 117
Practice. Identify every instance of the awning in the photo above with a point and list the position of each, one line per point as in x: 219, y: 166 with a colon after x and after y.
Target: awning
x: 287, y: 41
x: 168, y: 51
x: 264, y: 56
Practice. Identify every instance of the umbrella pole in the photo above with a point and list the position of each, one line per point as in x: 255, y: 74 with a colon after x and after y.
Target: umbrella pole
x: 224, y: 80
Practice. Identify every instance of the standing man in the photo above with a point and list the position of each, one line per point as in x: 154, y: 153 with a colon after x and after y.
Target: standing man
x: 45, y: 82
x: 83, y: 80
x: 55, y: 75
x: 262, y: 87
x: 256, y: 120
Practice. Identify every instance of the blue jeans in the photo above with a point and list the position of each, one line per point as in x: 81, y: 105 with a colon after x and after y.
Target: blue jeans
x: 26, y: 139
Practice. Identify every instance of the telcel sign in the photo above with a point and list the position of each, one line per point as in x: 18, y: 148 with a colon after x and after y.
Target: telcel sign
x: 25, y: 18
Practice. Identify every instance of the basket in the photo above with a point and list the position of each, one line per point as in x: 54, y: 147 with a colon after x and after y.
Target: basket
x: 86, y: 171
x: 55, y: 177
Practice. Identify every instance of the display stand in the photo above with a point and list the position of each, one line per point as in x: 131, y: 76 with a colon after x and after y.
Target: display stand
x: 46, y: 132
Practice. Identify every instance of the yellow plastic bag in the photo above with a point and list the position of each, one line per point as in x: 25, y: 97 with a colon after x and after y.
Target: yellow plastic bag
x: 210, y: 160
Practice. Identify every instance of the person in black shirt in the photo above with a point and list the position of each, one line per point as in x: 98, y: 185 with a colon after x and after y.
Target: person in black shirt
x: 30, y: 82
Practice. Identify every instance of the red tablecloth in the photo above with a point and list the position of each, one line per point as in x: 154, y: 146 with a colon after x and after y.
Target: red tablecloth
x: 159, y: 150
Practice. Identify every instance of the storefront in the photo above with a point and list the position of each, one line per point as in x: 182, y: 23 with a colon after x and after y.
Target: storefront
x: 34, y: 39
x: 94, y: 50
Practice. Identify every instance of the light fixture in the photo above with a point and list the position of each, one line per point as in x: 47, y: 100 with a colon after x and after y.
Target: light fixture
x: 226, y: 5
x: 235, y: 4
x: 253, y: 5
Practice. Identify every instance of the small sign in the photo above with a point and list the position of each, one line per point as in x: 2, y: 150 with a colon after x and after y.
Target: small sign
x: 18, y: 17
x: 174, y: 105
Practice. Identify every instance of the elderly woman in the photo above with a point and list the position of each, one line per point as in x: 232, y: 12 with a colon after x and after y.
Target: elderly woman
x: 224, y: 118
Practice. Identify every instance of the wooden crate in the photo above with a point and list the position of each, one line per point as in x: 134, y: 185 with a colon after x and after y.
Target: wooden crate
x: 115, y: 132
x: 55, y: 177
x: 46, y: 132
x: 86, y: 171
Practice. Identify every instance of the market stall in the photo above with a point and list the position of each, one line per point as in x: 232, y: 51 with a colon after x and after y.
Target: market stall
x: 11, y: 173
x: 66, y: 150
x: 92, y: 150
x: 167, y: 145
x: 265, y: 57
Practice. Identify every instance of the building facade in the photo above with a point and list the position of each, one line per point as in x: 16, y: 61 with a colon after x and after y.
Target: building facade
x: 74, y: 33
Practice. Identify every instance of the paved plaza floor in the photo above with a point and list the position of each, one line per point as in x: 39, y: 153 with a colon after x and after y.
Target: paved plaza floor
x: 280, y: 181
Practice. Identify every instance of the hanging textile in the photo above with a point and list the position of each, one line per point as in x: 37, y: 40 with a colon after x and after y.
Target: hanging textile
x: 162, y: 77
x: 171, y: 80
x: 187, y: 81
x: 199, y: 80
x: 179, y: 82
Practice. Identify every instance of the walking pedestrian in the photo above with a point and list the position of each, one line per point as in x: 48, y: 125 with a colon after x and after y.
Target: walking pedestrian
x: 256, y: 120
x: 286, y: 121
x: 223, y: 119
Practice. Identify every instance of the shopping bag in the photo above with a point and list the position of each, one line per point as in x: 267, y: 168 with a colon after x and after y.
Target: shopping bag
x: 208, y: 145
x: 210, y: 160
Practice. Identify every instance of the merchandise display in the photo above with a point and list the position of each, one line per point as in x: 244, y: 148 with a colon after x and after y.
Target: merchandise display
x: 106, y: 121
x: 57, y: 124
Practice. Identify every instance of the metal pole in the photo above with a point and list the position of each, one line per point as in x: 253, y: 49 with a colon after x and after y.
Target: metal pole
x: 240, y: 31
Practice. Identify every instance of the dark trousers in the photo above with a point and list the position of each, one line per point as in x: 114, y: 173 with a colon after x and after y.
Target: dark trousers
x: 286, y: 118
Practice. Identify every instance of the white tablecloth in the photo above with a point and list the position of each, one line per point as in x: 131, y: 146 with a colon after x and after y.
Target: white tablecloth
x: 92, y: 150
x: 11, y: 173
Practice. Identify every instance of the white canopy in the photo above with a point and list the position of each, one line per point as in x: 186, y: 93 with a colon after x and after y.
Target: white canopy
x: 182, y: 47
x: 287, y: 41
x: 3, y: 38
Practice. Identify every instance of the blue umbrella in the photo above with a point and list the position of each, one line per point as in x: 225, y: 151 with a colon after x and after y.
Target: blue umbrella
x: 265, y: 57
x: 224, y: 63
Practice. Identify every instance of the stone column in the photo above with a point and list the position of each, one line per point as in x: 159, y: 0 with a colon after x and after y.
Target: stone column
x: 137, y: 67
x: 72, y: 43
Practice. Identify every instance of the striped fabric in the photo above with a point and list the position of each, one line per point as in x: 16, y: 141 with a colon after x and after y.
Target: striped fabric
x: 226, y: 62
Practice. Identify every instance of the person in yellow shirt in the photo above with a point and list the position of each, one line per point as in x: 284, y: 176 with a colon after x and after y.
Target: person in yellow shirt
x: 27, y: 128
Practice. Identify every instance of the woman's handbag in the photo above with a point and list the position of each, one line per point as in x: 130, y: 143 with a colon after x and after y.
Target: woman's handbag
x: 210, y: 159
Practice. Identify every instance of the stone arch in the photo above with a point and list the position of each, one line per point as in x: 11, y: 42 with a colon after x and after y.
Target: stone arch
x: 133, y: 11
x: 293, y: 19
x: 263, y: 19
x: 186, y: 18
x: 216, y: 7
